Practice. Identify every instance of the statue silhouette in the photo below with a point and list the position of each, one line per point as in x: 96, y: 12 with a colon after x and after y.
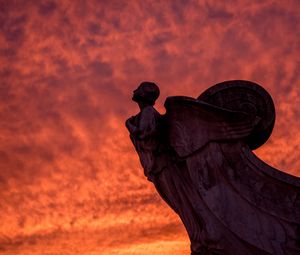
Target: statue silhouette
x: 199, y: 157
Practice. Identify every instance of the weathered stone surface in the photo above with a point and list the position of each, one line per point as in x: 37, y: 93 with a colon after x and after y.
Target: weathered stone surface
x: 198, y: 155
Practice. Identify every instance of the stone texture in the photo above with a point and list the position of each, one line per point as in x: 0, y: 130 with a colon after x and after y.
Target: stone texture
x: 199, y: 157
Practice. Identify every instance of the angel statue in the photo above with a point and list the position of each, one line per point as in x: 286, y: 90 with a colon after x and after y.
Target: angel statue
x: 199, y: 157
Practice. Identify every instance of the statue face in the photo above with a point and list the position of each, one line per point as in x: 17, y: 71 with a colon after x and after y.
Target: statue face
x: 138, y: 95
x: 146, y: 93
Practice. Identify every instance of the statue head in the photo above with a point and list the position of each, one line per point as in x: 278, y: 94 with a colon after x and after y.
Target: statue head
x: 147, y: 93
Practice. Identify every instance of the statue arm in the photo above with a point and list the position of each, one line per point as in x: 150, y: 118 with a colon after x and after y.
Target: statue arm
x: 130, y: 126
x: 146, y: 126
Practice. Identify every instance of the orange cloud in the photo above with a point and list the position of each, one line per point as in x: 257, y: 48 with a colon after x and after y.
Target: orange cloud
x: 69, y: 176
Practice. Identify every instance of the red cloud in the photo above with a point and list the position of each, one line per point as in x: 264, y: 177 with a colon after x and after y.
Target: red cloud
x: 67, y: 72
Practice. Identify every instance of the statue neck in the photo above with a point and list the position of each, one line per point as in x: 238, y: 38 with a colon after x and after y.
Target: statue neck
x: 142, y: 105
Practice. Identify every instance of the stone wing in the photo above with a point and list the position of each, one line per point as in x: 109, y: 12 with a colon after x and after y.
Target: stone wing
x: 191, y: 124
x: 256, y: 204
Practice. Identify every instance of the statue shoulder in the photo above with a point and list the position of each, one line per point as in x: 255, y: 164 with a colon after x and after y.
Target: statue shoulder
x: 149, y: 110
x: 149, y: 113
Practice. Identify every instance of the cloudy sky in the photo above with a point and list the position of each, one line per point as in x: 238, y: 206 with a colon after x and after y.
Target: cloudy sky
x: 70, y: 181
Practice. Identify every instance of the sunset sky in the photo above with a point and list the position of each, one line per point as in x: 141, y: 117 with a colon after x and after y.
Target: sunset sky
x: 70, y: 180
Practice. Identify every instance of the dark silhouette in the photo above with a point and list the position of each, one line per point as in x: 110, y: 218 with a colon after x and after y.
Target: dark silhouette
x: 199, y: 157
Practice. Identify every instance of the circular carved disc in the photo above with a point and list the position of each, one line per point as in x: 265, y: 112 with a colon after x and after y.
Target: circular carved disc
x: 249, y: 97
